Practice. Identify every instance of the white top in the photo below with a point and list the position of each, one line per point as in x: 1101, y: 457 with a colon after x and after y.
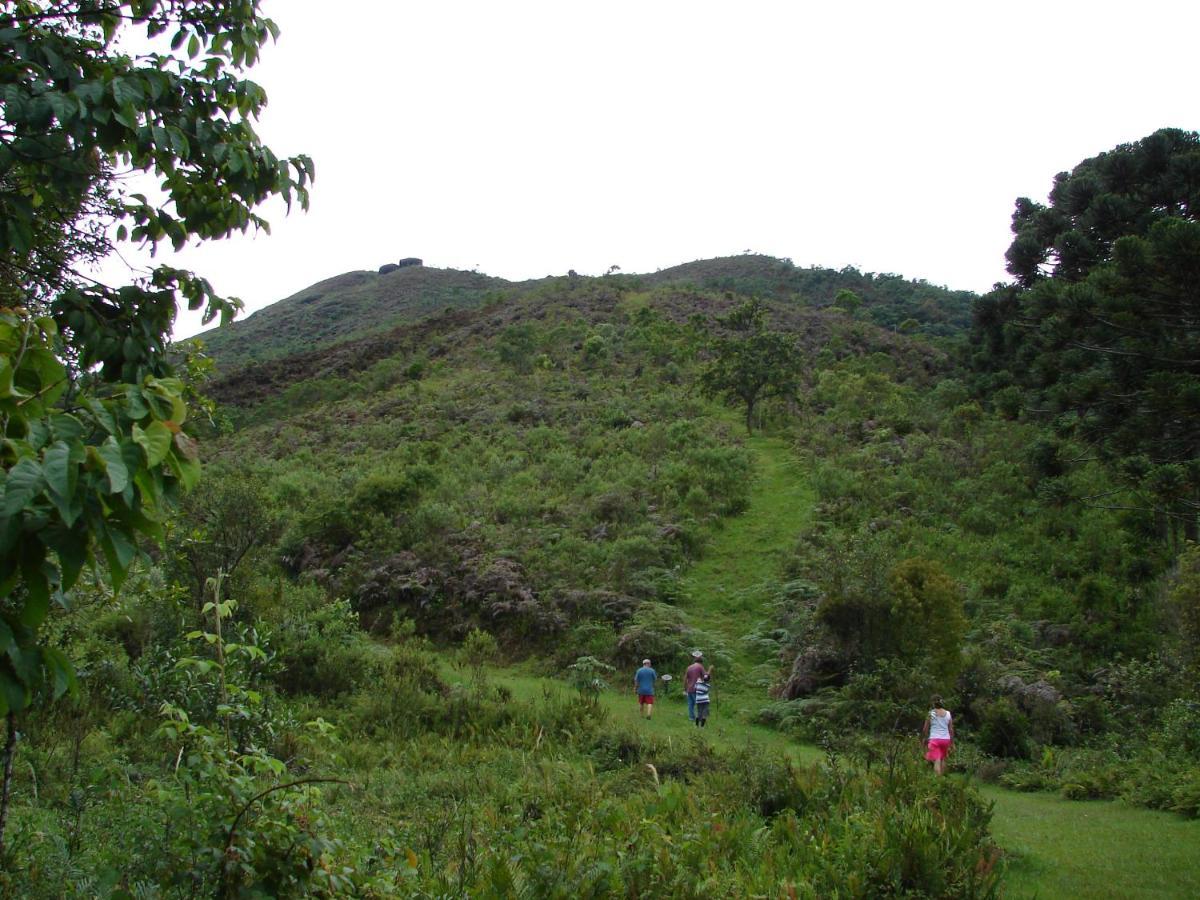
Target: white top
x: 939, y: 726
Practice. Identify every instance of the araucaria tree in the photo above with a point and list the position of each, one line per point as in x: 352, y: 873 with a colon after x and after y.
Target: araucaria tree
x: 1102, y: 327
x: 94, y: 423
x: 749, y: 363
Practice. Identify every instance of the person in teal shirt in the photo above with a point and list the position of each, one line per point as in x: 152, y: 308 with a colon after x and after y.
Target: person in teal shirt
x: 643, y: 681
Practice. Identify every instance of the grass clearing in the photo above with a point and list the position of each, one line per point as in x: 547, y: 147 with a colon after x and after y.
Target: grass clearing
x: 727, y: 728
x: 724, y: 590
x: 1074, y: 848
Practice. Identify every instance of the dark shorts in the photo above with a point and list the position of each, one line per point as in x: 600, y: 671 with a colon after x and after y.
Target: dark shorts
x: 645, y: 699
x: 701, y: 710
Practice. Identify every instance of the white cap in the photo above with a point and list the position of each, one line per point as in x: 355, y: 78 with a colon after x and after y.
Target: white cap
x: 645, y: 662
x: 696, y: 654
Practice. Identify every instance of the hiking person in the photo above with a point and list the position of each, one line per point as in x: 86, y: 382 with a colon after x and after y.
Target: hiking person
x: 643, y: 682
x: 939, y: 731
x: 694, y: 673
x: 702, y: 699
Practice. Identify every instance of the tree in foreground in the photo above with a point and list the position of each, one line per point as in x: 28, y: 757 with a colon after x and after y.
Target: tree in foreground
x: 750, y: 363
x: 94, y: 422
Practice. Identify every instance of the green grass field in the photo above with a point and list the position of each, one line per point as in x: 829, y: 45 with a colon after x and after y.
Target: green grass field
x: 1072, y: 848
x: 1054, y: 848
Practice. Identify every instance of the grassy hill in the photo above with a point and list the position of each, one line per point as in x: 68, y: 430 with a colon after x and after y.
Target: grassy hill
x: 559, y: 431
x: 344, y: 307
x: 888, y: 300
x: 359, y: 304
x: 587, y: 501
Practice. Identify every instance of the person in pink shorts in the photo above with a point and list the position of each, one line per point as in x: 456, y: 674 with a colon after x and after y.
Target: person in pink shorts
x: 938, y: 730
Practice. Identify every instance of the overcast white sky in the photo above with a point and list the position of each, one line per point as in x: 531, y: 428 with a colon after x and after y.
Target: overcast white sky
x: 527, y: 139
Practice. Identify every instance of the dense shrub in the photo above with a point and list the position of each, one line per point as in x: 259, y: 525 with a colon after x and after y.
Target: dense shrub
x: 918, y: 619
x: 323, y: 652
x: 1003, y: 730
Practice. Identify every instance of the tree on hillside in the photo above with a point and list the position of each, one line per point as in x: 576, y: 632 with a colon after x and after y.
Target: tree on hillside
x: 224, y: 520
x: 95, y: 444
x: 847, y: 300
x: 749, y: 363
x: 1102, y: 328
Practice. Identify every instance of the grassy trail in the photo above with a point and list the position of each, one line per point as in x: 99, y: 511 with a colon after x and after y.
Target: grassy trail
x: 1057, y: 848
x: 724, y: 588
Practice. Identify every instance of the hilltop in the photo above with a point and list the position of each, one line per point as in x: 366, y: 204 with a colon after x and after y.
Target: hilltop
x: 343, y: 307
x: 362, y: 303
x: 888, y: 299
x: 585, y: 302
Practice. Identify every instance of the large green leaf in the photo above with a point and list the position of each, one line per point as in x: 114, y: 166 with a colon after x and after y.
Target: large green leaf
x: 71, y: 545
x: 66, y: 427
x: 114, y: 465
x: 25, y: 481
x: 134, y: 518
x: 169, y: 393
x: 103, y: 416
x: 41, y: 371
x: 189, y: 473
x: 60, y: 670
x: 37, y: 434
x: 118, y: 553
x: 149, y: 484
x: 155, y: 440
x: 13, y: 695
x: 10, y: 531
x: 61, y: 470
x: 186, y: 470
x: 25, y: 660
x: 135, y: 401
x: 6, y: 378
x: 37, y: 588
x: 7, y: 640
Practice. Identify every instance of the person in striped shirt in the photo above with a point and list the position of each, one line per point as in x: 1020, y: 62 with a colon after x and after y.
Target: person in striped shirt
x: 703, y: 688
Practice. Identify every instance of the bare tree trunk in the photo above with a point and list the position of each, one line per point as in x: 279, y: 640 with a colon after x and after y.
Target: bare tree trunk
x: 10, y: 746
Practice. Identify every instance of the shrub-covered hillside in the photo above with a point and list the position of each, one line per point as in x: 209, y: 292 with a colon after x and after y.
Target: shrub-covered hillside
x: 548, y: 468
x: 363, y: 303
x: 536, y: 479
x: 261, y: 711
x: 344, y: 307
x: 529, y: 468
x: 889, y: 300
